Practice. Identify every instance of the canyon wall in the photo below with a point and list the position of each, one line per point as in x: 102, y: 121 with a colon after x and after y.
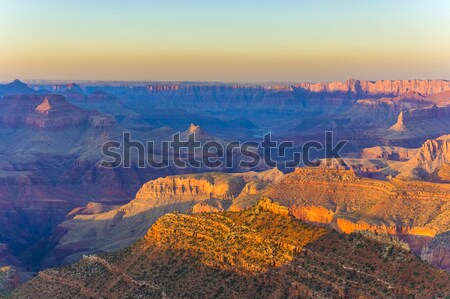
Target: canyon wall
x: 437, y: 252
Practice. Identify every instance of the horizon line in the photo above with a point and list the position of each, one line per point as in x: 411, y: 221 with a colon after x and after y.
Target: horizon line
x: 211, y: 82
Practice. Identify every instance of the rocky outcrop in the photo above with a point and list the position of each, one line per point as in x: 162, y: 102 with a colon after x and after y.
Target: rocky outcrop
x: 441, y: 174
x: 218, y: 186
x: 44, y: 107
x: 267, y: 204
x: 74, y: 87
x: 313, y: 214
x: 50, y: 112
x: 433, y: 154
x: 399, y: 126
x: 90, y: 209
x: 208, y: 207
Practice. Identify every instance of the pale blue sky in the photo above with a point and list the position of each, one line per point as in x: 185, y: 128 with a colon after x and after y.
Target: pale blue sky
x: 224, y: 40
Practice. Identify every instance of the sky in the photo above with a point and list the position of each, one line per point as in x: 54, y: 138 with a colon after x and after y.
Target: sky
x: 233, y: 40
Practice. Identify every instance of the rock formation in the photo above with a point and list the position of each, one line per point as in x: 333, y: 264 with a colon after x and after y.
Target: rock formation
x: 433, y: 154
x: 399, y: 126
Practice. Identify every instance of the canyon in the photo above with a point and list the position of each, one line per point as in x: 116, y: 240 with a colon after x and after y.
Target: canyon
x: 412, y: 210
x: 58, y: 203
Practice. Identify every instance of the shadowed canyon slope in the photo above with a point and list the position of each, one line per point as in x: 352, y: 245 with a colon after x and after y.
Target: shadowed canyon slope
x: 262, y: 252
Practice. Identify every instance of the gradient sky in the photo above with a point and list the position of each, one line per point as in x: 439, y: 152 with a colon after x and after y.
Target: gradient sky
x: 234, y: 40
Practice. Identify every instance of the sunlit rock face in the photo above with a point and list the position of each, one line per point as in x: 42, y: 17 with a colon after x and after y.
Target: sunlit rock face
x: 431, y: 158
x: 313, y: 214
x: 192, y: 186
x: 381, y: 87
x: 349, y: 202
x: 347, y: 226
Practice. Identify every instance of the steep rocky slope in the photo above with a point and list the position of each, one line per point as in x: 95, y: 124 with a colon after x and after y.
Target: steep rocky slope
x: 434, y: 154
x: 430, y: 162
x: 441, y: 174
x: 437, y: 253
x: 262, y: 252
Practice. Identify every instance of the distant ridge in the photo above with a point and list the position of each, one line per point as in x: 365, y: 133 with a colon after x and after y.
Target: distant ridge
x: 15, y: 87
x: 367, y: 87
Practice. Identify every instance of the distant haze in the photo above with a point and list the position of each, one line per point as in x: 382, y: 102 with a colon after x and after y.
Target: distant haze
x: 224, y: 40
